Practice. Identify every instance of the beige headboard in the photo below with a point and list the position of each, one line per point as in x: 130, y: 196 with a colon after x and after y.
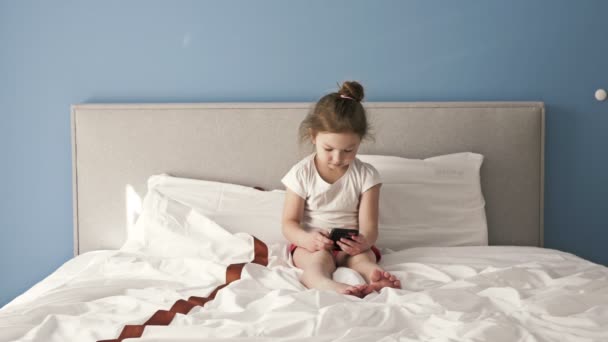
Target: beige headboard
x: 116, y: 147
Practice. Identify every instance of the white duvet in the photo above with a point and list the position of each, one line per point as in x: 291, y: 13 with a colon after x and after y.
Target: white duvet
x: 449, y: 294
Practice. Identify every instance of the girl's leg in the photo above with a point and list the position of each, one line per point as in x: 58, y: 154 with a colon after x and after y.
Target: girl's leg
x: 318, y: 268
x: 365, y: 264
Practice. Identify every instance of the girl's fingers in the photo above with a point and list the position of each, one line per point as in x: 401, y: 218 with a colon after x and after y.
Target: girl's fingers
x: 360, y: 239
x: 347, y: 241
x: 359, y: 244
x: 348, y: 249
x: 323, y: 240
x: 350, y: 242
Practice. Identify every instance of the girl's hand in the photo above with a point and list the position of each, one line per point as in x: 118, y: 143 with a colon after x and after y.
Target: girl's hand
x: 357, y: 244
x: 319, y: 240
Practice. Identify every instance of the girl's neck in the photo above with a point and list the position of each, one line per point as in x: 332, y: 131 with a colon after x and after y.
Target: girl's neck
x: 327, y: 174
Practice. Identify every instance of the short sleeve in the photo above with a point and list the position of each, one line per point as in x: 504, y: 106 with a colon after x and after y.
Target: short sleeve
x: 294, y: 180
x: 370, y: 177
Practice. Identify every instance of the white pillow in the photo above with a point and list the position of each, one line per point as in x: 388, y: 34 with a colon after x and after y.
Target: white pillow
x: 432, y: 202
x: 235, y: 208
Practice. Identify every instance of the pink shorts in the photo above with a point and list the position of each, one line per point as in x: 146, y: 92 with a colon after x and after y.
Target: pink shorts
x: 374, y: 249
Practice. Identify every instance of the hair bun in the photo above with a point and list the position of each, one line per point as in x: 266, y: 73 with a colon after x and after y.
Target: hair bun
x: 352, y: 89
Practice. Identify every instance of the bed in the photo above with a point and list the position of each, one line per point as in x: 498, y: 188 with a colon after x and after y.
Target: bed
x: 156, y: 260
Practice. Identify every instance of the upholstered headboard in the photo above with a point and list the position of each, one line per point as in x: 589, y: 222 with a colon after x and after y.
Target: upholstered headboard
x: 116, y: 147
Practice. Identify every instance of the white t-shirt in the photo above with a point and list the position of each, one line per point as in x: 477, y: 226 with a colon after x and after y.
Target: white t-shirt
x: 330, y: 205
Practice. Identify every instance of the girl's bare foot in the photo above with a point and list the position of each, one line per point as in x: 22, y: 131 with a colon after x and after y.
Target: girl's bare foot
x: 357, y: 290
x: 380, y: 279
x: 366, y: 289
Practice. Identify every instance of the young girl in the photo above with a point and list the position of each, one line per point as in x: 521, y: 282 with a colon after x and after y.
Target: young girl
x: 332, y: 188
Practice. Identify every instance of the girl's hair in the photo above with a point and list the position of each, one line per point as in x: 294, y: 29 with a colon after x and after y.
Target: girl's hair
x: 338, y: 113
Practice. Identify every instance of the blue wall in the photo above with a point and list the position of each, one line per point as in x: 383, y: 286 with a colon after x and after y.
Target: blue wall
x: 56, y: 53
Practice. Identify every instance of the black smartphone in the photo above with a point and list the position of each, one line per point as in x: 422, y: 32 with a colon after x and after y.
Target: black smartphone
x: 337, y: 233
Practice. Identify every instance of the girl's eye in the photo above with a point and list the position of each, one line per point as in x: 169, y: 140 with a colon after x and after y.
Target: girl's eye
x: 328, y: 149
x: 348, y: 151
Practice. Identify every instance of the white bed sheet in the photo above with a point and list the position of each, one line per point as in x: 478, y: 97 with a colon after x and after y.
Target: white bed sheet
x: 449, y: 294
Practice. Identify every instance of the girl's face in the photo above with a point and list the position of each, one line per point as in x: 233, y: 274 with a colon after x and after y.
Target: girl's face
x: 336, y: 150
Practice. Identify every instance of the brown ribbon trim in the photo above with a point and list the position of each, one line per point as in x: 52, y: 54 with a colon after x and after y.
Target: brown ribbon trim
x: 164, y: 317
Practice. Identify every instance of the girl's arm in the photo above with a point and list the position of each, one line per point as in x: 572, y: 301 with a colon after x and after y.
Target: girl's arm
x: 368, y: 214
x: 293, y: 211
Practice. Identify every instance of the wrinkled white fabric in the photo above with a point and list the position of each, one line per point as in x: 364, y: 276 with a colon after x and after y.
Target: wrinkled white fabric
x: 168, y: 228
x: 234, y: 207
x: 522, y: 294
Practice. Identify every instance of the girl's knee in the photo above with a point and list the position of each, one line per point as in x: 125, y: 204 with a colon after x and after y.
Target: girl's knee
x: 313, y: 260
x: 368, y: 256
x: 325, y: 258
